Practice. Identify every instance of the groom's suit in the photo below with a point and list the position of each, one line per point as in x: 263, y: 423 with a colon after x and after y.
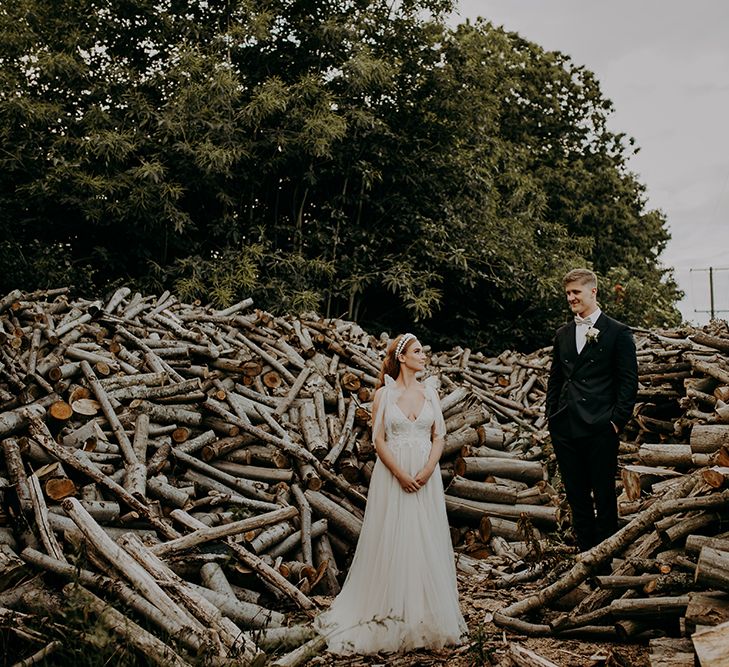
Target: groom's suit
x: 587, y: 393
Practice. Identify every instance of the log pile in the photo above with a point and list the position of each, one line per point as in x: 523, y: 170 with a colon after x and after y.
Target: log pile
x: 197, y: 474
x: 665, y: 575
x: 195, y: 479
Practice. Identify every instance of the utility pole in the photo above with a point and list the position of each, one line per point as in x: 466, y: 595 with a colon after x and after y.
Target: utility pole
x: 712, y: 308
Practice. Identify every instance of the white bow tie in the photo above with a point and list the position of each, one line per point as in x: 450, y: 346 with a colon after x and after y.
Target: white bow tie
x: 583, y: 320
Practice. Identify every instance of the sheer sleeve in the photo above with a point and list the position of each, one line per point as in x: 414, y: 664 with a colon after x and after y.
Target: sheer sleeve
x: 383, y: 407
x: 431, y: 392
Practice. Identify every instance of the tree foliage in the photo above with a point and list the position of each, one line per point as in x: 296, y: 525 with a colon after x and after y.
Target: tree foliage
x: 356, y: 158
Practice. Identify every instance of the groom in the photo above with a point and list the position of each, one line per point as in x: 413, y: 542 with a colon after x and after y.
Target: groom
x: 591, y: 391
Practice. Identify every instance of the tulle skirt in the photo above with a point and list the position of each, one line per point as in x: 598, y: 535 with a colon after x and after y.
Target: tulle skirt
x: 400, y: 592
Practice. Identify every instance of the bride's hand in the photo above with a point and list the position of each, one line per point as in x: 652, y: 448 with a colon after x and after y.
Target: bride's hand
x: 423, y: 476
x: 408, y: 483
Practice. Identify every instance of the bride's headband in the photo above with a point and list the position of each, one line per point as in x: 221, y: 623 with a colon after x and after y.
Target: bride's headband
x: 402, y: 343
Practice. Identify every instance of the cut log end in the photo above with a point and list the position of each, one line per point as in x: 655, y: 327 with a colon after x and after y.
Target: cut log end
x: 61, y: 411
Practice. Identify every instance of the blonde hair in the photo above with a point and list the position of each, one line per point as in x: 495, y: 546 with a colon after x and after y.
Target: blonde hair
x: 582, y: 276
x: 391, y: 364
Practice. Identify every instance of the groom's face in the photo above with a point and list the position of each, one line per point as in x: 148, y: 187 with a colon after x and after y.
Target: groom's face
x: 581, y: 297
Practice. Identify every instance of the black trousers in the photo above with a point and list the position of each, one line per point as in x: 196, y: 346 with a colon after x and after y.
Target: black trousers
x: 588, y: 465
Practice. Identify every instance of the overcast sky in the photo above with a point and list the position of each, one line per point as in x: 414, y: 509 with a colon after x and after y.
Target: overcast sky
x: 665, y: 66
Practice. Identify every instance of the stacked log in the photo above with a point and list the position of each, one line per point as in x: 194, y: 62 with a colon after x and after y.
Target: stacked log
x: 666, y: 571
x: 205, y: 470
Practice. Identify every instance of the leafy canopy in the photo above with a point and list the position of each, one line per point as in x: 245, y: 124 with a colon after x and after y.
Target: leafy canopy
x: 356, y: 158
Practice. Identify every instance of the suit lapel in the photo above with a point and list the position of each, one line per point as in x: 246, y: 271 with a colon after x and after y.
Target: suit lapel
x: 572, y: 342
x: 569, y: 348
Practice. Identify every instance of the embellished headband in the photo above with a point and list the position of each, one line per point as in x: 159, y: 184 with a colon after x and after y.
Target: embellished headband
x: 402, y: 343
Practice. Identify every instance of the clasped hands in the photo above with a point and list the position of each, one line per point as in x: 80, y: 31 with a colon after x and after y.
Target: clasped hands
x: 410, y: 483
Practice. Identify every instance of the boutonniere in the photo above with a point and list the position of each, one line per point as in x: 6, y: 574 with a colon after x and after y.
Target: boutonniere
x: 592, y: 334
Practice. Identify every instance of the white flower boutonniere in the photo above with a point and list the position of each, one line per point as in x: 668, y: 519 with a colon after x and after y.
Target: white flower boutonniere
x: 592, y: 334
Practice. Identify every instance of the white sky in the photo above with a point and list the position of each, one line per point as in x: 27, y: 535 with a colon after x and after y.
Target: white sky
x: 665, y: 66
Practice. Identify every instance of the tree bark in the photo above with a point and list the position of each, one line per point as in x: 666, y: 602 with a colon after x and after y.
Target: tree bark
x: 16, y: 472
x: 271, y: 536
x: 678, y: 456
x: 244, y: 613
x: 124, y: 593
x: 130, y: 632
x: 484, y: 491
x: 48, y: 537
x: 14, y: 420
x: 472, y: 509
x: 77, y: 461
x: 270, y: 575
x: 712, y: 645
x: 205, y: 612
x: 121, y: 560
x: 706, y: 609
x: 305, y: 519
x: 101, y: 396
x: 523, y: 657
x: 525, y: 471
x: 598, y: 555
x: 709, y: 438
x: 339, y: 518
x: 207, y: 534
x: 246, y: 487
x: 455, y: 442
x: 694, y: 543
x: 712, y: 568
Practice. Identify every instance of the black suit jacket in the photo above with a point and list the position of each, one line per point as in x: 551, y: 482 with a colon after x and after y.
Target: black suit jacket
x: 589, y: 390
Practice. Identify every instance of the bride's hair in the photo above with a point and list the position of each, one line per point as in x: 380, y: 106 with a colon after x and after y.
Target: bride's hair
x: 391, y: 364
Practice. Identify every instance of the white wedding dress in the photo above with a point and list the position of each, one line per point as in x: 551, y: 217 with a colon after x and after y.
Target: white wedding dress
x: 400, y: 592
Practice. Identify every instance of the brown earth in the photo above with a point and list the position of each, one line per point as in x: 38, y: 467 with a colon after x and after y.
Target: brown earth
x: 488, y: 643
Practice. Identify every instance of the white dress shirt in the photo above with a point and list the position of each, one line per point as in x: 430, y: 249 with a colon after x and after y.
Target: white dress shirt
x: 581, y: 330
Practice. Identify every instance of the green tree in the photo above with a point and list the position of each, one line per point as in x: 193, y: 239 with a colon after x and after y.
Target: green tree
x: 357, y: 158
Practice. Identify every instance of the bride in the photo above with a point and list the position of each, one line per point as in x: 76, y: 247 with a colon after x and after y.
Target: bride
x: 400, y: 592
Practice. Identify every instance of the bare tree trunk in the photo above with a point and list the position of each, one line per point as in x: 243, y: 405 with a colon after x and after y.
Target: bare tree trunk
x: 265, y: 571
x: 143, y: 641
x: 705, y: 609
x: 525, y: 471
x: 305, y: 518
x: 204, y: 611
x: 48, y: 537
x: 101, y: 396
x: 207, y: 534
x: 139, y: 578
x: 596, y: 556
x: 523, y: 657
x: 124, y: 593
x: 485, y: 491
x: 16, y: 472
x: 301, y: 655
x: 338, y: 517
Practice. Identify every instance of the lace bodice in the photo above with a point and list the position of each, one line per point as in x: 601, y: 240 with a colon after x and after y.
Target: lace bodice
x: 398, y: 428
x: 398, y: 425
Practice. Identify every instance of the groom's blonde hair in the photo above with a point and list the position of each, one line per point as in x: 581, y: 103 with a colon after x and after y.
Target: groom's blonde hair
x: 583, y: 276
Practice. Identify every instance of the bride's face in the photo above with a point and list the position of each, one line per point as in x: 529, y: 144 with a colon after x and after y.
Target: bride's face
x: 414, y: 357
